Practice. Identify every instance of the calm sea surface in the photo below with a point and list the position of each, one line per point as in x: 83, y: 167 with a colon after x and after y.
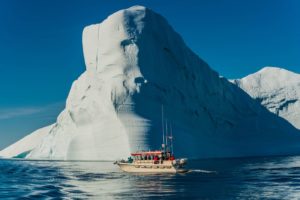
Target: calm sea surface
x: 247, y: 178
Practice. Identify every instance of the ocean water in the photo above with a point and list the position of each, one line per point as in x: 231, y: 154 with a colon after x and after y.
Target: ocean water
x: 246, y: 178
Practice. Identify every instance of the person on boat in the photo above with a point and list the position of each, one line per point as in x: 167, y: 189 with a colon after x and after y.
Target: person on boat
x: 172, y: 157
x: 156, y: 159
x: 129, y: 160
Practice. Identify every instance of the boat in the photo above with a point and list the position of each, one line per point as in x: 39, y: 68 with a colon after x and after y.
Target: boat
x: 152, y: 162
x: 158, y: 161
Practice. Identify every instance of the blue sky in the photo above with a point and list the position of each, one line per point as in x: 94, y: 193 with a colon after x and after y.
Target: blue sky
x: 41, y: 50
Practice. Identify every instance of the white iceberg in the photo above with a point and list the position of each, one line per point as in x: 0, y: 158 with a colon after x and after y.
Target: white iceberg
x: 277, y: 89
x: 135, y: 63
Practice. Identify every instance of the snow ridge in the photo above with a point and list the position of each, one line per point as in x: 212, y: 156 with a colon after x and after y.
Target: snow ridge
x: 277, y: 89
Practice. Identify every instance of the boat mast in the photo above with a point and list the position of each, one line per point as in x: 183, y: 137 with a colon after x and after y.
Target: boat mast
x: 167, y: 134
x: 171, y: 138
x: 162, y: 126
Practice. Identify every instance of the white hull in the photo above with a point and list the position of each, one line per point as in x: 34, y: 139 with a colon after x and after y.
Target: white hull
x: 151, y: 168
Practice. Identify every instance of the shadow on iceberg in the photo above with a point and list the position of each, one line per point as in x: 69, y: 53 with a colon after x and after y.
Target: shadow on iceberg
x: 210, y: 116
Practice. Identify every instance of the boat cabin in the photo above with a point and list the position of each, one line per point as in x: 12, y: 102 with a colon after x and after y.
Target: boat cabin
x: 152, y: 156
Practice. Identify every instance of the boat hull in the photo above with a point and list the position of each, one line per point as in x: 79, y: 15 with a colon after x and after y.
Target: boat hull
x: 150, y: 168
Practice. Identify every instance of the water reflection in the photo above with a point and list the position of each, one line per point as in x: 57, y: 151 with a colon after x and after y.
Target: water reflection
x: 105, y: 179
x: 274, y: 177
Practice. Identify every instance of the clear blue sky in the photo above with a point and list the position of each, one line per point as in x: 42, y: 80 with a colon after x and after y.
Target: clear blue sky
x: 41, y: 50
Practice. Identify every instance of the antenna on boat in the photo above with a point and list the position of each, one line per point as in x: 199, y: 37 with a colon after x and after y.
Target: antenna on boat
x: 167, y: 134
x: 162, y: 126
x: 171, y: 138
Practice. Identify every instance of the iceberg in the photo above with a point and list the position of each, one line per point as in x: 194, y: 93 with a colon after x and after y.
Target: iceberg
x: 23, y: 147
x: 135, y: 63
x: 277, y: 89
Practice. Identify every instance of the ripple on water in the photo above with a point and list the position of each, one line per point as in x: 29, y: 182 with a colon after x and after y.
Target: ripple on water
x: 256, y: 178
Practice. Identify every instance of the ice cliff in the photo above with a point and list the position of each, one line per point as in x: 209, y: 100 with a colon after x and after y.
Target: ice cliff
x: 135, y: 63
x: 277, y: 89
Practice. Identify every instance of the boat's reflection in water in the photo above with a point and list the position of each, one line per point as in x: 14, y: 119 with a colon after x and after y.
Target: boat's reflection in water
x: 105, y: 179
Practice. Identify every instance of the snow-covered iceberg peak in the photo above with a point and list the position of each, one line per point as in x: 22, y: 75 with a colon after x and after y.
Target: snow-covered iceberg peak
x: 104, y: 43
x: 270, y: 78
x: 277, y: 89
x: 135, y: 63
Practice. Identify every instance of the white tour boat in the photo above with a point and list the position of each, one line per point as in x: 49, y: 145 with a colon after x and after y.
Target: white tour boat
x: 160, y: 161
x: 152, y: 162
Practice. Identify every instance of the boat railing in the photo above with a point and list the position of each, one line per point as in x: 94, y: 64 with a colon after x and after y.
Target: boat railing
x: 153, y: 162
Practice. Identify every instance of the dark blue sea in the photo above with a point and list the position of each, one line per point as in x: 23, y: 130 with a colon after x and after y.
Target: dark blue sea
x: 246, y: 178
